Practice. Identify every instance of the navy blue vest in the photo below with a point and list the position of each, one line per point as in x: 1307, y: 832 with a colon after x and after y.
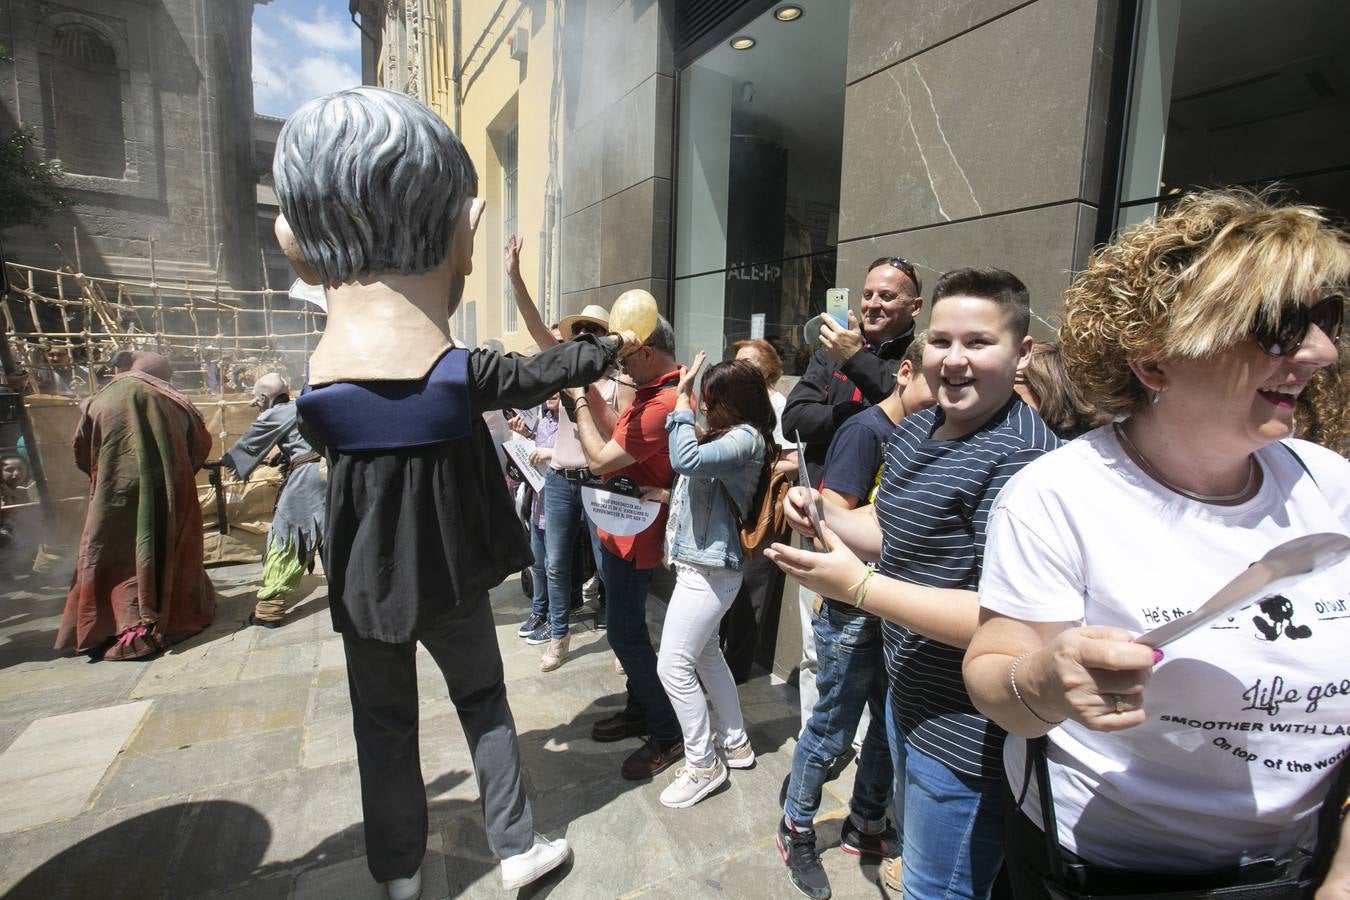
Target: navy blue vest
x: 361, y: 416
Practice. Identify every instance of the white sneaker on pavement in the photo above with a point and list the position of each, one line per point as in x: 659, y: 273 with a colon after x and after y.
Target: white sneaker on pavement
x: 692, y: 784
x: 405, y: 888
x: 534, y: 863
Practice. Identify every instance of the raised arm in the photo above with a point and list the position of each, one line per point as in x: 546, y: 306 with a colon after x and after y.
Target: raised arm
x: 808, y: 415
x: 529, y: 313
x: 508, y: 379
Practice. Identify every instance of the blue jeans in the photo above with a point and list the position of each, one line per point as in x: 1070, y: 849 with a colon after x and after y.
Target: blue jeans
x: 626, y: 593
x: 539, y: 602
x: 851, y: 674
x: 563, y: 512
x: 953, y: 843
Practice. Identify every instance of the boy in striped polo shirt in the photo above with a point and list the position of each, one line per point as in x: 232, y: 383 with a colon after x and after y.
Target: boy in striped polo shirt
x: 943, y: 469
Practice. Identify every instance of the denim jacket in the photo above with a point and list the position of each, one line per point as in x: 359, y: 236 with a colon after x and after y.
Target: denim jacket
x: 703, y: 530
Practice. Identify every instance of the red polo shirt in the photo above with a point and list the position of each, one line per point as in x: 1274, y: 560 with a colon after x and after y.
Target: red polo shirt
x: 641, y: 432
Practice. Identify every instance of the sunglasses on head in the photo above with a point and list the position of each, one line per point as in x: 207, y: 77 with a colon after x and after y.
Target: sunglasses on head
x: 900, y: 263
x: 587, y: 328
x: 1287, y: 335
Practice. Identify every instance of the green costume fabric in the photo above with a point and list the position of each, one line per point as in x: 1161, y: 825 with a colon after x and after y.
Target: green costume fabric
x: 139, y: 576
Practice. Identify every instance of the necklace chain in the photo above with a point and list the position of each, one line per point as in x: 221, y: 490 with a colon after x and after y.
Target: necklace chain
x: 1202, y: 498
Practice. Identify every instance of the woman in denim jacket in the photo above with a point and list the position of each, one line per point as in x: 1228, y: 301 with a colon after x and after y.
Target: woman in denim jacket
x: 703, y: 544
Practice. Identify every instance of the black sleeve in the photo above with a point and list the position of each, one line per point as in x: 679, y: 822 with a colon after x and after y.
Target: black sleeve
x: 509, y: 379
x: 809, y: 415
x: 871, y: 375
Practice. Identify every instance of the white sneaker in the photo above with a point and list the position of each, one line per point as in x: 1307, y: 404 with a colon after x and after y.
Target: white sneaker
x: 405, y: 888
x: 590, y: 591
x: 534, y: 863
x: 742, y: 757
x: 692, y: 784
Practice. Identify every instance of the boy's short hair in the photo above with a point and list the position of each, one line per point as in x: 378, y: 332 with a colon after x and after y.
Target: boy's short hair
x: 998, y: 286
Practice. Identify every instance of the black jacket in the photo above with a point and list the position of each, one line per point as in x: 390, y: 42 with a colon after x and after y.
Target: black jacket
x: 830, y: 392
x: 412, y: 532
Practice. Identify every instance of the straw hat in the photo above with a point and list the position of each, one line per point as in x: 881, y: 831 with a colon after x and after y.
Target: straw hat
x: 591, y: 313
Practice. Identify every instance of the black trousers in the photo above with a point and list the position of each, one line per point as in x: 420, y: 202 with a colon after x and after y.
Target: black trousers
x: 382, y: 678
x: 744, y: 623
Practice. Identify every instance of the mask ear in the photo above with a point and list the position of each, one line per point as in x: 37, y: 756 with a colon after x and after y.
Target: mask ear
x: 291, y: 247
x: 461, y: 242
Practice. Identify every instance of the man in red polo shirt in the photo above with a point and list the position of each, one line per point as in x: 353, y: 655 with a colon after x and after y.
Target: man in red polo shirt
x: 636, y: 447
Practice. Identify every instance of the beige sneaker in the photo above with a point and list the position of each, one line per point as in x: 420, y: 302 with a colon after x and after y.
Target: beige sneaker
x: 891, y: 870
x: 692, y: 784
x: 554, y: 654
x: 742, y: 757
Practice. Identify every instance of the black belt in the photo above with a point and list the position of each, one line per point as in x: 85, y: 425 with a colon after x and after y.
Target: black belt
x: 581, y: 474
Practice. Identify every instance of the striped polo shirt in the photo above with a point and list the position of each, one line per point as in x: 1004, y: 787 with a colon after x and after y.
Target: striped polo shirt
x: 933, y: 506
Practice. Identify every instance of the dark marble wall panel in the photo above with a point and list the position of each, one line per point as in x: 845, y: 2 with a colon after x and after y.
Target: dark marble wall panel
x: 1040, y: 246
x: 580, y: 263
x: 582, y: 178
x: 631, y: 153
x: 635, y: 232
x: 882, y: 32
x: 990, y: 122
x: 619, y: 105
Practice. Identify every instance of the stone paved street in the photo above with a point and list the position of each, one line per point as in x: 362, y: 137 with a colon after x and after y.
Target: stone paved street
x: 226, y: 768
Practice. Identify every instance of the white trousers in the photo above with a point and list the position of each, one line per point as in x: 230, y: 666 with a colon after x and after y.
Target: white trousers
x: 690, y: 652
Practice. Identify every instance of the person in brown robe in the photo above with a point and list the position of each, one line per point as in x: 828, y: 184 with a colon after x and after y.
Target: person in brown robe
x: 139, y: 585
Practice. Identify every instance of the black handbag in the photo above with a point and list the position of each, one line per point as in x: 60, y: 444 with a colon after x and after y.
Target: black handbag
x: 1261, y: 879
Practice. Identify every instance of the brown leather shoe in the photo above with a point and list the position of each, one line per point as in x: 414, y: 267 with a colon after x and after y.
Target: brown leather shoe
x: 617, y: 727
x: 651, y: 759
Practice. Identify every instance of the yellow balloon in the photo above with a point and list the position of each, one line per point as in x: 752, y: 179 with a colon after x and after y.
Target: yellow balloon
x: 634, y: 311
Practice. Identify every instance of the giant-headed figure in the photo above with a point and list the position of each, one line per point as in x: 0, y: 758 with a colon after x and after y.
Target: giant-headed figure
x: 377, y: 204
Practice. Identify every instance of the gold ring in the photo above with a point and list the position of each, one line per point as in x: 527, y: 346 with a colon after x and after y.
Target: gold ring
x: 1120, y: 704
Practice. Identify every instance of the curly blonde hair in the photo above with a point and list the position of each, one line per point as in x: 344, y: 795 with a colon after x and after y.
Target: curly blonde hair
x: 1190, y: 283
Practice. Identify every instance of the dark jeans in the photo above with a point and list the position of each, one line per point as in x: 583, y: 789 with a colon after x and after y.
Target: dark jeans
x: 626, y: 590
x: 851, y: 675
x: 382, y: 678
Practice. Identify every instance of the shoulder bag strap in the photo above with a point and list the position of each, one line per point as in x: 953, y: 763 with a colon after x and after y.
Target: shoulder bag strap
x: 1036, y: 757
x: 1303, y: 465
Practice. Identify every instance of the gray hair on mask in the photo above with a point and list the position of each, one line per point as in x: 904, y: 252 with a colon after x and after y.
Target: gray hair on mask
x: 371, y: 181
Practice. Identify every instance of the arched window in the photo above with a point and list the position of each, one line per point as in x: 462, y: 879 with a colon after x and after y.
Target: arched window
x: 86, y: 131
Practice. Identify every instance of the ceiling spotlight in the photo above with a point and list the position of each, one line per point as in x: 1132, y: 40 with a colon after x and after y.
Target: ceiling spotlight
x: 787, y: 13
x: 742, y: 42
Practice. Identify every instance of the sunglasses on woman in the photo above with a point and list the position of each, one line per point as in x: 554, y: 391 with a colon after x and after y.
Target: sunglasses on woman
x: 1287, y: 335
x: 587, y: 328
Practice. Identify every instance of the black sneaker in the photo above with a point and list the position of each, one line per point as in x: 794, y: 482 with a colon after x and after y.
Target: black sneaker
x: 531, y: 625
x: 798, y: 849
x: 885, y: 844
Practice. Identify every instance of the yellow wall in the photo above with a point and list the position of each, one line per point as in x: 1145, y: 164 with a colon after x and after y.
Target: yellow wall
x: 501, y: 88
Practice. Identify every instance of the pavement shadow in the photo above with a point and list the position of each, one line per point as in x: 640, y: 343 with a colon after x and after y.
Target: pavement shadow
x: 148, y: 855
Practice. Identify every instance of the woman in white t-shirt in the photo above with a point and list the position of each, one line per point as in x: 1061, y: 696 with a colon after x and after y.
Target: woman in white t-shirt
x: 1193, y: 762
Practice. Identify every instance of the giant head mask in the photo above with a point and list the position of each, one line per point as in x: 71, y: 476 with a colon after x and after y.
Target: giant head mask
x: 377, y: 204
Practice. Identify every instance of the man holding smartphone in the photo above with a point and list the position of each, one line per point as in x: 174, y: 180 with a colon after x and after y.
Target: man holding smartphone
x: 853, y: 369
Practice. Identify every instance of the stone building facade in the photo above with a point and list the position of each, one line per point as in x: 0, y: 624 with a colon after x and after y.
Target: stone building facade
x: 148, y: 106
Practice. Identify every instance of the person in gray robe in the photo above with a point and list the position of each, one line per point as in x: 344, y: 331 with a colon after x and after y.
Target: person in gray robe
x: 297, y: 521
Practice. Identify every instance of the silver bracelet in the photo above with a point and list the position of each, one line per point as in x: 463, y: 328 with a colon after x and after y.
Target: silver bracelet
x: 1012, y: 682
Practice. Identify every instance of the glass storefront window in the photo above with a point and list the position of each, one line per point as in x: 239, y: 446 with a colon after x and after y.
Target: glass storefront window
x: 1238, y: 94
x: 757, y: 184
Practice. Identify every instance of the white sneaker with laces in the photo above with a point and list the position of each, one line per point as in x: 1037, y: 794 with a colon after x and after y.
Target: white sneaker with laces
x: 534, y: 863
x: 692, y: 784
x: 742, y: 757
x: 405, y: 888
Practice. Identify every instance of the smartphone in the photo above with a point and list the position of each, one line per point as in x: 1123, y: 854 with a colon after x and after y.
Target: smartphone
x: 836, y: 305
